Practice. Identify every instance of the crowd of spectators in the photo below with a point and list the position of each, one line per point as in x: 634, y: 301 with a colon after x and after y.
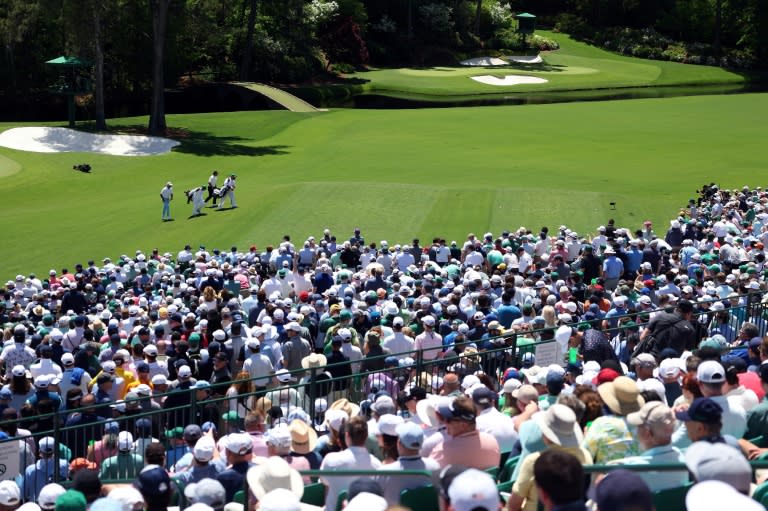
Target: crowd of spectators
x: 200, y: 375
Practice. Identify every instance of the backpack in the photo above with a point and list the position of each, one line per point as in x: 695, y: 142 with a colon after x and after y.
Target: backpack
x: 77, y: 375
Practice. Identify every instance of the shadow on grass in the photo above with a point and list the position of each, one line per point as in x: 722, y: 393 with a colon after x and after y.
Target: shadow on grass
x: 199, y: 143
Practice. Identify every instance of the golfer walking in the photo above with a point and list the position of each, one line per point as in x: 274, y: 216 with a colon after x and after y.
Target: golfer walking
x: 212, y: 187
x: 166, y: 194
x: 228, y: 190
x: 197, y: 200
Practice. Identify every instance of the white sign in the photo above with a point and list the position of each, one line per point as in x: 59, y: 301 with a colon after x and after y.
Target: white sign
x: 547, y: 354
x: 9, y: 460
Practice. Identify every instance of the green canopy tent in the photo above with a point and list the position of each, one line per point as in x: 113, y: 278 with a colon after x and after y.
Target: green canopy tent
x: 71, y: 81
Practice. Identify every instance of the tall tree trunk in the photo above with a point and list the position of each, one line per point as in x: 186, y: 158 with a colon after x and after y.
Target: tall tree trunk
x: 157, y: 124
x: 478, y: 10
x: 718, y: 26
x: 13, y: 86
x: 245, y: 65
x: 101, y: 122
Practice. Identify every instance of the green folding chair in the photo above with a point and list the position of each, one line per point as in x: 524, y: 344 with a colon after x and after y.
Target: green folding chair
x: 493, y: 472
x: 340, y: 500
x: 671, y: 498
x: 423, y: 498
x: 240, y: 497
x: 509, y: 468
x: 761, y: 494
x: 314, y: 494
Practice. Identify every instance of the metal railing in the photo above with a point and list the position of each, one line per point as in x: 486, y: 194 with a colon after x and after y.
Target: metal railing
x: 425, y: 371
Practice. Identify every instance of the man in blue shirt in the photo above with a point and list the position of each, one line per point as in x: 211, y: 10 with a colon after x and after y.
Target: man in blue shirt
x: 42, y: 471
x: 239, y: 448
x: 507, y: 313
x: 613, y: 269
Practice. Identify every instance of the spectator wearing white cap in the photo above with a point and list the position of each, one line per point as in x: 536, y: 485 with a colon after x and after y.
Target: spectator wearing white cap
x: 352, y: 352
x: 46, y: 499
x: 166, y: 196
x: 37, y: 475
x: 655, y: 423
x: 10, y: 495
x: 155, y: 366
x: 125, y: 464
x: 203, y: 465
x: 711, y: 377
x: 473, y: 490
x: 239, y: 453
x: 279, y: 441
x: 73, y: 377
x: 410, y: 438
x: 258, y: 365
x: 295, y: 348
x: 429, y: 342
x: 399, y: 344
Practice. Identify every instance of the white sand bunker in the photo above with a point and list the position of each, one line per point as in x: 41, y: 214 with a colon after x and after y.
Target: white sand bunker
x: 58, y: 140
x: 484, y: 61
x: 525, y: 59
x: 508, y: 80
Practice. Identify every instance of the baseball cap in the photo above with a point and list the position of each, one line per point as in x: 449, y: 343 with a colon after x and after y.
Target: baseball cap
x: 127, y: 496
x: 192, y: 433
x: 473, y: 490
x: 284, y: 375
x: 239, y: 443
x: 652, y: 412
x: 388, y: 424
x: 621, y: 486
x: 5, y: 393
x: 10, y: 494
x: 720, y: 462
x: 366, y: 501
x: 46, y: 499
x: 207, y: 491
x: 410, y: 435
x: 710, y: 371
x: 383, y: 405
x: 644, y: 360
x: 159, y: 379
x: 204, y: 448
x: 152, y: 480
x: 449, y: 410
x: 19, y: 370
x: 70, y: 500
x: 42, y: 381
x: 184, y: 372
x: 125, y: 441
x: 483, y: 396
x: 280, y: 499
x: 47, y: 444
x: 67, y: 359
x: 717, y: 496
x: 702, y: 409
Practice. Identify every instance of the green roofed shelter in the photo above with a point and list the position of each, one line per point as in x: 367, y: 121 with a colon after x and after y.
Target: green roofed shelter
x: 526, y: 23
x: 70, y: 61
x: 71, y: 81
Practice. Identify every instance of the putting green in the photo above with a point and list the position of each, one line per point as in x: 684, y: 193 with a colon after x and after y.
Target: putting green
x: 575, y: 66
x: 395, y: 173
x: 8, y: 166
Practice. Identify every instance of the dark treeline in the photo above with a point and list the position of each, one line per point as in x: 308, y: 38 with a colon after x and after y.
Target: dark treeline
x: 139, y: 46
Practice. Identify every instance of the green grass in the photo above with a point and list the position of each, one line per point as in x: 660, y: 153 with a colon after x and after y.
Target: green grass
x: 575, y: 66
x: 395, y: 173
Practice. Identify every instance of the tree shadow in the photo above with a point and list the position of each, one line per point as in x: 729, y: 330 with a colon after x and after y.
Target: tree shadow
x: 199, y: 143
